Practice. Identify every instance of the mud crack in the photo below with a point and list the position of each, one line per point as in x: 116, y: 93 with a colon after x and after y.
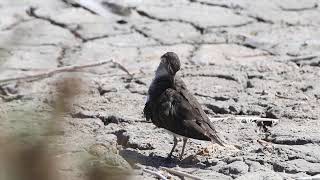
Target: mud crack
x: 146, y: 35
x: 32, y: 12
x: 76, y: 5
x: 218, y: 5
x: 200, y: 29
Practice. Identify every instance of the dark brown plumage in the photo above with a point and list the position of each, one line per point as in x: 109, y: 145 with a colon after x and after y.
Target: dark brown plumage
x: 171, y: 106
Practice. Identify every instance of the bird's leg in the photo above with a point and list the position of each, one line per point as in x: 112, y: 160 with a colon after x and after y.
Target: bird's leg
x: 183, y: 147
x: 175, y: 142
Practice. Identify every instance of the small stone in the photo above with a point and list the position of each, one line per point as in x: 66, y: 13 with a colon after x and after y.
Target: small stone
x: 305, y: 89
x: 10, y: 89
x: 260, y: 175
x: 229, y: 160
x: 118, y: 9
x: 254, y: 166
x: 249, y: 84
x: 273, y: 112
x: 100, y: 149
x: 209, y: 174
x: 218, y: 108
x: 235, y: 168
x: 83, y: 114
x: 122, y: 137
x: 111, y: 119
x: 140, y: 146
x: 106, y: 161
x: 192, y: 159
x: 103, y: 90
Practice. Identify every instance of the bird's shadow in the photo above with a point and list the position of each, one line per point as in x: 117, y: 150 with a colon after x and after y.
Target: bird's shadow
x: 153, y: 160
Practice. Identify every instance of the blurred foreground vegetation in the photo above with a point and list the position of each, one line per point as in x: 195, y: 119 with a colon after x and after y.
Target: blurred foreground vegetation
x: 26, y: 154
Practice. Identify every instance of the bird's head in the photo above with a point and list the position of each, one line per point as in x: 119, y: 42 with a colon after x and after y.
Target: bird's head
x: 169, y: 64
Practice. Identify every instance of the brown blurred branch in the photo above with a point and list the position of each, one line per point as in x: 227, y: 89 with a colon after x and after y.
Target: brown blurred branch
x: 56, y: 71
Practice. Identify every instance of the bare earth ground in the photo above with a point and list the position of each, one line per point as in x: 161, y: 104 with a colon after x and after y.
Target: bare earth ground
x: 250, y: 58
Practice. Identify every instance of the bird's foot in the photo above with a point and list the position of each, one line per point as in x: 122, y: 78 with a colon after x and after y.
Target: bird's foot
x: 170, y: 157
x: 180, y: 157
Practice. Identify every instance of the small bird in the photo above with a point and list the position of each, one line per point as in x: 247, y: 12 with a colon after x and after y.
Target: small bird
x: 171, y: 106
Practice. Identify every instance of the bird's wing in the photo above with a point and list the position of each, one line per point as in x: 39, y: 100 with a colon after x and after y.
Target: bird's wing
x: 184, y: 112
x: 201, y: 117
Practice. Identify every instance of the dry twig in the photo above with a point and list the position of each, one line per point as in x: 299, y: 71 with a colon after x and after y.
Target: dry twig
x: 55, y: 71
x: 283, y: 97
x: 120, y: 66
x: 303, y: 58
x: 247, y: 119
x: 181, y: 174
x: 315, y: 177
x: 158, y: 174
x: 131, y: 76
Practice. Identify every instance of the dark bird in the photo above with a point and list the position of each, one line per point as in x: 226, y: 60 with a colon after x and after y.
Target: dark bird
x: 171, y: 106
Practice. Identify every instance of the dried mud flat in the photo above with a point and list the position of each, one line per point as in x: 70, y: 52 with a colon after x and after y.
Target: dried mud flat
x: 240, y: 58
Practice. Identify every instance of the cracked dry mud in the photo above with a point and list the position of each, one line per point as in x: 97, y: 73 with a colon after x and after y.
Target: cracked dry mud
x: 240, y: 58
